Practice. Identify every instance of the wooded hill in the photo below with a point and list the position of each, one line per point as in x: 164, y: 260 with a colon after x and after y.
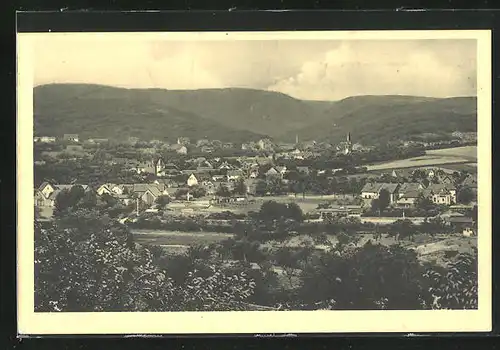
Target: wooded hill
x: 240, y: 115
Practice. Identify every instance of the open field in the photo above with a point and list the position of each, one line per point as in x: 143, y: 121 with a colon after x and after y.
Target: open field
x: 177, y: 238
x: 445, y: 157
x: 307, y: 204
x: 466, y: 152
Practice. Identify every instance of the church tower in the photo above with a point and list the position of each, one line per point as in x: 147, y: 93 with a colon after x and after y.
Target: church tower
x: 160, y: 166
x: 348, y: 144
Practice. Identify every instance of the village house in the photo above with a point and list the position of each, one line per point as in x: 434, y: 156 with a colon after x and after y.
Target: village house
x: 147, y: 167
x: 461, y: 224
x: 170, y: 169
x: 253, y: 173
x: 249, y: 146
x: 166, y: 183
x: 105, y: 189
x: 126, y: 162
x: 151, y: 195
x: 227, y: 145
x: 71, y: 137
x: 296, y: 154
x: 44, y: 139
x: 97, y: 141
x: 372, y: 191
x: 272, y: 173
x: 192, y: 180
x: 441, y: 194
x: 46, y: 193
x: 225, y: 166
x: 183, y: 141
x: 234, y: 175
x: 265, y: 145
x: 282, y: 170
x: 204, y: 167
x: 408, y: 193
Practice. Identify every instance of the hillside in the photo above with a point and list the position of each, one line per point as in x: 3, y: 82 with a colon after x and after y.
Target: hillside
x: 373, y: 119
x: 100, y: 111
x: 239, y: 115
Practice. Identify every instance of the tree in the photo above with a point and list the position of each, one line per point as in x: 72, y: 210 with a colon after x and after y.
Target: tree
x: 384, y: 199
x: 260, y: 188
x: 89, y: 200
x: 375, y: 207
x: 403, y: 228
x: 88, y: 262
x: 198, y: 191
x: 370, y: 277
x: 424, y: 203
x: 454, y: 287
x: 162, y: 201
x: 295, y: 212
x: 272, y: 210
x: 223, y: 191
x: 240, y: 188
x: 68, y: 199
x: 465, y: 195
x: 181, y: 193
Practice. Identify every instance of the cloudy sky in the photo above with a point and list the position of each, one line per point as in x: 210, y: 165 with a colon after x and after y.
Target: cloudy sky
x: 305, y: 69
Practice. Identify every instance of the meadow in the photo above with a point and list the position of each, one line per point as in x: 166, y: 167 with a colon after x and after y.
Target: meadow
x: 177, y: 238
x: 445, y: 156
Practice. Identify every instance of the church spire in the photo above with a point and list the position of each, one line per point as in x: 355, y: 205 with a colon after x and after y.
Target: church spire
x: 297, y: 139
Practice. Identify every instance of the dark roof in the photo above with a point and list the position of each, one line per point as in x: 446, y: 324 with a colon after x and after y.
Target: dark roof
x: 409, y: 187
x: 377, y: 187
x: 460, y: 220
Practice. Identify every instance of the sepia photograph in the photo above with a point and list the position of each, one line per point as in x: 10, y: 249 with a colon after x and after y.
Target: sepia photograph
x: 302, y: 181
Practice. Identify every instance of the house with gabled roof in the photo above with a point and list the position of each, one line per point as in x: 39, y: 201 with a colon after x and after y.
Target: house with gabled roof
x: 272, y: 172
x: 372, y: 190
x: 233, y: 175
x: 408, y: 193
x: 445, y: 194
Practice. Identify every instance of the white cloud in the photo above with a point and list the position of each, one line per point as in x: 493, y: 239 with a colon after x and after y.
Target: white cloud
x: 384, y: 68
x: 326, y: 69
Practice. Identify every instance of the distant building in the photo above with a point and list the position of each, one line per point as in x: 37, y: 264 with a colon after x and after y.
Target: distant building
x: 180, y: 149
x: 97, y: 141
x: 183, y: 141
x: 44, y: 139
x: 265, y: 145
x: 71, y: 137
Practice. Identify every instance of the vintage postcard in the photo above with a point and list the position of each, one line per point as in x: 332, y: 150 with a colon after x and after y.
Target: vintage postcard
x: 254, y: 182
